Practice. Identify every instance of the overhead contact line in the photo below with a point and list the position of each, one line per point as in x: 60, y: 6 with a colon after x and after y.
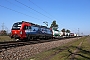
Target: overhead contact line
x: 40, y: 8
x: 19, y: 12
x: 16, y: 5
x: 32, y: 9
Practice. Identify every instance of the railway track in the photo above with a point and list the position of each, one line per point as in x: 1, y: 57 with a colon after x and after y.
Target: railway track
x: 12, y: 44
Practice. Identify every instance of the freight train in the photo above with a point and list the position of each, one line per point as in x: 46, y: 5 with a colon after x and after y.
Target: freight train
x: 31, y: 31
x: 59, y: 34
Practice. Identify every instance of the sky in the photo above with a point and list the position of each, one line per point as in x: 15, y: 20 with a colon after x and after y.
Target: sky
x: 69, y: 14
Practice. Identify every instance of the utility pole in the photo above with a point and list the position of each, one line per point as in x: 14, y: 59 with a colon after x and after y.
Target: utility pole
x: 2, y: 26
x: 46, y: 23
x: 6, y: 29
x: 82, y: 33
x: 78, y: 31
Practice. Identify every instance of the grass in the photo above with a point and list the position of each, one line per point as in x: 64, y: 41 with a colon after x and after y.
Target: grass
x: 85, y: 50
x: 5, y: 38
x: 64, y: 54
x: 41, y: 55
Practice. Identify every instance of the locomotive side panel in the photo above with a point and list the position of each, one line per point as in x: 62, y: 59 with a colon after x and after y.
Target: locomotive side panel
x: 26, y: 30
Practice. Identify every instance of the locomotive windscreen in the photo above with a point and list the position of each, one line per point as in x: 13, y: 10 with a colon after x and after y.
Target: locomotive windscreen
x: 16, y: 26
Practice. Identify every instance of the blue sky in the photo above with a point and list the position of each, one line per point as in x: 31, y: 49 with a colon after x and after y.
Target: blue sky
x: 69, y: 14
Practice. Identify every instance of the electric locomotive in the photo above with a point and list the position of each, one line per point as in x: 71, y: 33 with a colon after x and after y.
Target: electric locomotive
x: 28, y: 30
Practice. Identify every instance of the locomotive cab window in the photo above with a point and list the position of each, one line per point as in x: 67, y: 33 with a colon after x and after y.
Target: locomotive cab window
x: 16, y: 26
x: 27, y: 27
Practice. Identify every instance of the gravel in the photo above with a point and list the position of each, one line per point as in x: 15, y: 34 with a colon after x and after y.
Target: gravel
x: 23, y: 52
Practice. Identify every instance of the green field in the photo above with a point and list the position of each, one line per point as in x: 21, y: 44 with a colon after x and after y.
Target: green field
x: 5, y: 38
x: 76, y: 50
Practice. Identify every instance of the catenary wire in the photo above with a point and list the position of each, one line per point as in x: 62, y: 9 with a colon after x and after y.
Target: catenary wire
x: 18, y: 12
x: 32, y: 9
x: 41, y: 8
x: 17, y: 6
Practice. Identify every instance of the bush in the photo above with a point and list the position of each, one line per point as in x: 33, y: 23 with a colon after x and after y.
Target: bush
x: 3, y: 33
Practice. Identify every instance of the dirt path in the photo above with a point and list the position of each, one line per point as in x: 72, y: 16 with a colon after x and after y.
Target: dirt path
x: 55, y: 53
x: 74, y: 54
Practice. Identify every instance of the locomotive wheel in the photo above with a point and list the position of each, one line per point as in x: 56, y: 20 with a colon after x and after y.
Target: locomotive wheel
x: 32, y: 38
x: 16, y: 39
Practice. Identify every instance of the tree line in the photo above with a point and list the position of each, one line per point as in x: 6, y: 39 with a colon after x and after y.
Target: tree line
x: 54, y: 25
x: 3, y: 33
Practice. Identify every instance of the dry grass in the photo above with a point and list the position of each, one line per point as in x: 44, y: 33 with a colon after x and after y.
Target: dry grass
x: 5, y: 38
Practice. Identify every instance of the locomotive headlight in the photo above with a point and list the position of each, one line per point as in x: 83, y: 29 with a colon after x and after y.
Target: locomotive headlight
x: 15, y: 32
x: 20, y: 32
